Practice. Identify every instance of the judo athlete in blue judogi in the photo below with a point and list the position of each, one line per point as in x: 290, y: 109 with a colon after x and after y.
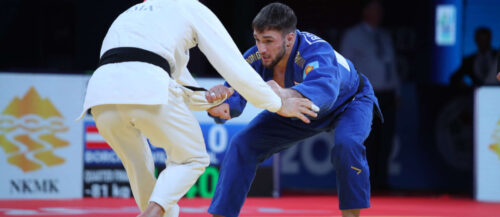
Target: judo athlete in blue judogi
x: 298, y: 64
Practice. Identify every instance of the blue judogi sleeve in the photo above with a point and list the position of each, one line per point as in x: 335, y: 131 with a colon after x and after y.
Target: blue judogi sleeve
x: 321, y: 78
x: 236, y: 102
x: 236, y: 106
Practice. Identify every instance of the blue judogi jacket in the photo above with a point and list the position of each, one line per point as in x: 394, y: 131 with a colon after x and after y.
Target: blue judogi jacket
x: 319, y: 73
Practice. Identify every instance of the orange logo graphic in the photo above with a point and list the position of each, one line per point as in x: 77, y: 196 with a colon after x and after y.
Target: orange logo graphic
x: 495, y: 146
x: 308, y: 69
x: 28, y: 128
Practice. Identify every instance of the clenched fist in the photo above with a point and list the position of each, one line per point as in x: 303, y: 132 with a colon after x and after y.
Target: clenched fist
x: 220, y: 111
x: 218, y: 92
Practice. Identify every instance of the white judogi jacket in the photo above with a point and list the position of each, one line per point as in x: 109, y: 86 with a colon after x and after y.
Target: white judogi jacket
x: 170, y: 28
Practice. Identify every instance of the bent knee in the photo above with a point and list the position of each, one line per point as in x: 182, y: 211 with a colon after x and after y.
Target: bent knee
x: 200, y: 162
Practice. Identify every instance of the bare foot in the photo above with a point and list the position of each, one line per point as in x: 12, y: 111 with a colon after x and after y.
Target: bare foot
x: 350, y: 213
x: 153, y: 210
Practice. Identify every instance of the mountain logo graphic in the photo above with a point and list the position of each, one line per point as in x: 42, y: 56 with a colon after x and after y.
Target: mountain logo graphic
x: 495, y: 146
x: 28, y: 129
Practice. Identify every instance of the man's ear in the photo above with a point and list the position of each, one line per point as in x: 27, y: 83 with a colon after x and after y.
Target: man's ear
x: 290, y: 38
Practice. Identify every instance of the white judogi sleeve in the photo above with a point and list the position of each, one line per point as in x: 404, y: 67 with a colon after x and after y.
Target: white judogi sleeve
x: 216, y: 43
x: 195, y: 100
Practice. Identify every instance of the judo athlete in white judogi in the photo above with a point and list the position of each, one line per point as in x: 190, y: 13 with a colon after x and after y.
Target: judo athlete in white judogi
x: 138, y: 92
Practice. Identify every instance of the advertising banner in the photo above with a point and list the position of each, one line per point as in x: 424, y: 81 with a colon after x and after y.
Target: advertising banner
x: 104, y: 175
x: 40, y: 141
x: 487, y: 144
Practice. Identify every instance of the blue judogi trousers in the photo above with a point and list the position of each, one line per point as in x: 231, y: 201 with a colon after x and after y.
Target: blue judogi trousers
x: 268, y: 133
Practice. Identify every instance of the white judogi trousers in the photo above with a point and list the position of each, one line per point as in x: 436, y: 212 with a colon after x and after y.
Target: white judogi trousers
x: 172, y: 127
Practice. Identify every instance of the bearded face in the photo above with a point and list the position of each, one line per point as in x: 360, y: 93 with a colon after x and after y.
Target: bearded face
x: 271, y: 46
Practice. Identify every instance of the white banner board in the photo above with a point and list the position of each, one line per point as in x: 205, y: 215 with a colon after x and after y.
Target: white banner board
x: 487, y: 144
x: 41, y: 144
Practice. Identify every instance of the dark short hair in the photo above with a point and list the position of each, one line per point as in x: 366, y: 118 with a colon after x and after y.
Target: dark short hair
x: 482, y: 30
x: 367, y: 3
x: 275, y: 16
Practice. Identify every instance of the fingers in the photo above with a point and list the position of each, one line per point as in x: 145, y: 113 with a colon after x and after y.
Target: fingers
x: 303, y: 118
x: 308, y: 108
x: 225, y: 114
x: 299, y: 108
x: 218, y: 95
x: 218, y: 92
x: 314, y: 107
x: 217, y: 112
x: 225, y: 93
x: 209, y: 96
x: 212, y: 111
x: 220, y: 111
x: 307, y: 111
x: 231, y: 92
x: 311, y: 109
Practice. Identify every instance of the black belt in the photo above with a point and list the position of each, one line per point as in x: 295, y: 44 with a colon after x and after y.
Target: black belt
x: 361, y: 84
x: 360, y: 88
x: 130, y: 54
